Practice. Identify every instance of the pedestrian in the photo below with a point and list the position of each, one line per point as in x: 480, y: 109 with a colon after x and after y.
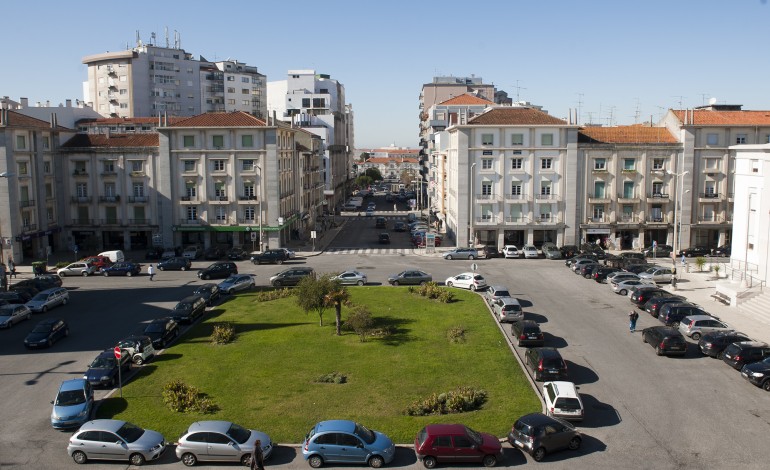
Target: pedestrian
x: 257, y: 459
x: 684, y: 261
x: 632, y: 317
x: 11, y: 267
x: 151, y: 271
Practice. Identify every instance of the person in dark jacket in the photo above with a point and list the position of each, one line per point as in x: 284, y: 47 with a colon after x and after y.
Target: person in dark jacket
x: 257, y: 459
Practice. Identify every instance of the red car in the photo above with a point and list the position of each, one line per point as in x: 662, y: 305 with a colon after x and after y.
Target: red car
x: 456, y: 443
x: 419, y: 241
x: 98, y: 261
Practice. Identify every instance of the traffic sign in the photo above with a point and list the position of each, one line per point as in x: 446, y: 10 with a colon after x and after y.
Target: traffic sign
x: 118, y: 352
x: 474, y: 267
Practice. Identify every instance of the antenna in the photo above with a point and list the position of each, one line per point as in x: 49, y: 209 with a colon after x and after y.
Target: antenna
x: 138, y: 40
x: 152, y: 39
x: 612, y: 115
x: 637, y: 111
x: 703, y: 97
x: 681, y: 100
x: 177, y: 40
x: 579, y: 107
x: 165, y: 30
x: 518, y: 90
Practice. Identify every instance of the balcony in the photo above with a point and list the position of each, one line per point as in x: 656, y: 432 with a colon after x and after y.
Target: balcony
x: 628, y: 219
x: 520, y: 219
x: 79, y: 172
x: 192, y: 221
x: 108, y: 174
x: 657, y: 197
x: 627, y: 199
x: 81, y: 199
x: 27, y: 203
x: 138, y: 221
x: 246, y: 221
x: 486, y: 220
x: 110, y: 222
x: 545, y: 197
x: 222, y: 221
x: 710, y: 219
x: 710, y: 197
x: 515, y: 197
x: 600, y: 198
x: 193, y: 199
x: 84, y: 222
x: 253, y: 199
x: 547, y: 219
x: 218, y: 200
x: 599, y: 219
x: 137, y: 199
x: 109, y: 198
x: 29, y: 228
x: 657, y: 219
x: 138, y: 174
x: 486, y: 198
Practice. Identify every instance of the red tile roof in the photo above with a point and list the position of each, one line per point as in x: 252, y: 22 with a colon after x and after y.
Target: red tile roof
x: 515, y: 116
x: 233, y: 119
x: 127, y: 120
x: 384, y: 160
x: 626, y: 135
x: 705, y: 117
x: 466, y: 99
x: 149, y: 139
x: 23, y: 121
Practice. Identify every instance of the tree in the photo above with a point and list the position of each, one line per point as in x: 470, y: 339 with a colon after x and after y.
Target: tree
x: 363, y: 181
x: 312, y: 292
x: 374, y: 174
x: 336, y: 298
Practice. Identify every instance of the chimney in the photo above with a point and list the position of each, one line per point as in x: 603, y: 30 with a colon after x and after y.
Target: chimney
x: 24, y: 102
x: 3, y: 117
x: 69, y: 103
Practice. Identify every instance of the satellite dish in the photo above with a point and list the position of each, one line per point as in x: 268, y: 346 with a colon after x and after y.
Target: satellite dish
x: 712, y: 101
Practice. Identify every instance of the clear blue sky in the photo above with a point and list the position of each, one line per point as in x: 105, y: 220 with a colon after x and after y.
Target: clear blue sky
x: 616, y: 56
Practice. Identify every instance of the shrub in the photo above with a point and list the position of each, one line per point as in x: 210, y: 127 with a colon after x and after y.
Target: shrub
x: 456, y: 334
x: 360, y: 321
x: 180, y: 397
x: 446, y: 296
x: 62, y: 264
x: 223, y: 333
x: 457, y: 401
x: 333, y: 378
x: 275, y: 294
x: 432, y: 290
x: 700, y: 262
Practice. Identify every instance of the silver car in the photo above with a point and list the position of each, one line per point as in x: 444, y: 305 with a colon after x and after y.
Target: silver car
x: 220, y: 441
x: 81, y: 268
x: 12, y: 314
x: 351, y: 278
x: 496, y: 292
x: 462, y: 253
x: 696, y: 326
x: 237, y: 282
x: 657, y: 274
x: 112, y: 439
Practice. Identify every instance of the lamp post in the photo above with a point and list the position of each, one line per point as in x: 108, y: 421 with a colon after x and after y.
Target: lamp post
x: 679, y: 196
x: 470, y: 206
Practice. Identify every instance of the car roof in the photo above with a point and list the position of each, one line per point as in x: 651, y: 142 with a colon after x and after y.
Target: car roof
x: 210, y: 426
x: 751, y: 344
x: 508, y: 300
x: 72, y: 384
x: 701, y: 317
x: 537, y: 419
x: 491, y: 288
x: 49, y: 321
x: 102, y: 425
x: 564, y: 388
x: 445, y: 429
x: 548, y: 352
x: 335, y: 425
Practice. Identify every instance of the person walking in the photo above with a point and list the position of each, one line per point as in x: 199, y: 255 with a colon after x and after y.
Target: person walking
x: 632, y: 317
x: 257, y: 458
x: 151, y: 271
x: 11, y: 267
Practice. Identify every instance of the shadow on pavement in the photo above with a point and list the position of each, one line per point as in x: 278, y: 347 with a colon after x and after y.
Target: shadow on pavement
x: 598, y: 414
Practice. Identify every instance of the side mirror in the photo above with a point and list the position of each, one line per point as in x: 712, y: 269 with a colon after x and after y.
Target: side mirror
x: 52, y: 402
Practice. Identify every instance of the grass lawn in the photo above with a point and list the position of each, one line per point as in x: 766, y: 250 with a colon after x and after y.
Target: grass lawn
x: 265, y: 379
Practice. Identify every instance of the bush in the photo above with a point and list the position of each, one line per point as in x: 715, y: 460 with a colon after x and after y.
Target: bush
x: 275, y: 294
x: 333, y: 378
x: 456, y: 334
x: 223, y: 333
x: 62, y: 264
x: 700, y: 262
x: 446, y: 296
x: 360, y: 321
x: 458, y: 401
x: 180, y: 397
x: 432, y: 290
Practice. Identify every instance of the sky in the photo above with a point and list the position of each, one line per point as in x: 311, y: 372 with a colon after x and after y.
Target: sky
x: 617, y: 61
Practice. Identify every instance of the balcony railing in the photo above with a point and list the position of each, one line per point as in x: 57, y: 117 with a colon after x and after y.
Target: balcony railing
x: 84, y: 222
x: 657, y: 196
x: 189, y: 198
x: 137, y: 199
x: 600, y: 219
x: 628, y: 218
x: 28, y: 228
x: 515, y: 197
x: 486, y: 219
x: 486, y: 197
x: 657, y: 219
x: 109, y: 198
x: 713, y: 218
x: 516, y: 219
x: 250, y: 198
x: 79, y: 172
x: 110, y: 221
x: 547, y: 219
x: 545, y: 196
x: 709, y: 195
x: 245, y: 221
x: 27, y: 203
x: 189, y: 221
x: 109, y: 173
x: 219, y: 198
x: 222, y: 221
x: 138, y: 221
x: 81, y: 199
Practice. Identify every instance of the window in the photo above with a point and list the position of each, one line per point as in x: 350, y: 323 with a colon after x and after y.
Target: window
x: 47, y: 167
x: 545, y: 212
x: 123, y: 91
x: 629, y: 164
x: 80, y: 168
x: 740, y: 138
x: 109, y: 189
x: 486, y: 163
x: 486, y: 212
x: 49, y: 191
x: 123, y: 105
x: 218, y: 141
x: 442, y: 441
x: 189, y: 141
x: 138, y: 189
x: 81, y: 189
x: 657, y: 164
x: 656, y: 213
x: 219, y: 165
x: 190, y: 190
x: 712, y: 164
x: 231, y: 101
x: 546, y: 163
x: 108, y: 166
x: 516, y: 189
x: 231, y: 89
x: 486, y: 188
x: 319, y: 102
x: 628, y: 189
x: 546, y: 139
x: 219, y: 190
x: 305, y: 102
x: 23, y: 169
x: 247, y: 140
x: 657, y: 189
x: 600, y: 164
x: 248, y: 190
x: 710, y: 189
x: 248, y: 213
x: 517, y: 139
x: 545, y: 188
x: 21, y: 142
x: 192, y: 213
x: 46, y: 142
x: 247, y: 165
x: 628, y: 213
x: 516, y: 163
x: 137, y: 165
x: 189, y: 165
x: 712, y: 139
x: 221, y: 213
x: 598, y: 212
x: 487, y: 139
x: 599, y: 189
x: 50, y: 214
x: 230, y: 78
x: 462, y: 441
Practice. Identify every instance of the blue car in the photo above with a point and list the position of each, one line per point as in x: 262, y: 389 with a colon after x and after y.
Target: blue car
x: 123, y: 268
x: 73, y: 404
x: 342, y: 441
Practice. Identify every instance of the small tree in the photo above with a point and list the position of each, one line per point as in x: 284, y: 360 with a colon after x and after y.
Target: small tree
x: 336, y: 298
x: 700, y: 262
x: 363, y: 181
x: 311, y: 294
x: 360, y: 321
x: 374, y: 174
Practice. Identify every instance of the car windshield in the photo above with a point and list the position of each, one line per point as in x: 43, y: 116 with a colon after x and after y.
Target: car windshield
x: 42, y: 328
x: 154, y: 328
x: 7, y: 310
x: 40, y: 297
x: 475, y: 436
x: 239, y: 434
x: 71, y: 397
x: 502, y: 293
x: 182, y: 306
x: 103, y: 363
x: 365, y: 434
x: 130, y: 432
x: 231, y: 280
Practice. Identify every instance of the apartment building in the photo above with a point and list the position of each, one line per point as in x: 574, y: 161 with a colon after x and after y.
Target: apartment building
x: 233, y: 86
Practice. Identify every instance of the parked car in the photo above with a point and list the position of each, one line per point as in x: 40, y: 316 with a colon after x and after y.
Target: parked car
x: 456, y: 443
x: 462, y: 253
x: 694, y: 251
x: 103, y: 370
x: 741, y: 353
x: 99, y: 262
x: 236, y: 283
x: 218, y: 270
x: 351, y: 278
x: 470, y: 281
x: 722, y: 250
x: 73, y: 404
x: 39, y: 283
x: 540, y: 435
x: 654, y: 305
x: 122, y: 268
x: 670, y: 314
x: 510, y: 251
x: 189, y: 309
x: 593, y: 249
x: 551, y: 251
x: 659, y: 251
x: 124, y: 440
x: 586, y: 269
x: 11, y: 314
x: 177, y: 263
x: 490, y: 252
x: 714, y: 344
x: 291, y: 277
x: 641, y: 296
x: 384, y: 238
x: 409, y: 277
x: 15, y: 297
x: 138, y: 347
x: 758, y: 373
x: 269, y: 257
x: 46, y: 333
x: 342, y: 441
x: 546, y: 364
x: 290, y: 254
x: 530, y: 252
x: 638, y: 268
x: 695, y: 326
x: 618, y: 275
x: 623, y: 286
x: 578, y: 263
x: 527, y: 333
x: 79, y: 268
x: 48, y: 299
x: 570, y: 262
x: 507, y: 309
x: 209, y: 292
x: 193, y: 252
x: 665, y: 340
x: 657, y: 275
x: 399, y: 227
x: 380, y: 222
x: 237, y: 254
x: 370, y: 211
x: 495, y: 292
x: 220, y: 441
x: 214, y: 252
x: 569, y: 251
x: 562, y: 400
x: 161, y: 331
x: 600, y: 274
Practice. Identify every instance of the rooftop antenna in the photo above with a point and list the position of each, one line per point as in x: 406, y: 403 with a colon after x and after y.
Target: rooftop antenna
x: 518, y: 90
x: 590, y: 117
x: 637, y: 112
x: 152, y: 39
x: 177, y: 40
x: 703, y: 97
x: 681, y: 100
x: 138, y: 39
x: 165, y: 30
x: 579, y: 107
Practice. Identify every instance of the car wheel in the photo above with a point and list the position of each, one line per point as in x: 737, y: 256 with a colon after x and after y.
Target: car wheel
x: 644, y: 338
x: 473, y: 287
x: 449, y: 257
x: 450, y: 284
x: 574, y: 443
x: 206, y: 277
x: 658, y: 351
x: 79, y: 457
x: 66, y: 332
x: 315, y: 461
x: 129, y: 274
x: 63, y: 274
x: 721, y: 355
x: 489, y: 461
x: 44, y: 309
x: 429, y: 461
x: 422, y: 283
x: 136, y: 459
x: 189, y: 459
x: 104, y: 273
x: 538, y: 454
x: 183, y: 268
x: 675, y: 324
x: 695, y: 336
x: 246, y: 459
x: 360, y: 283
x: 84, y: 274
x: 161, y: 268
x: 471, y: 257
x: 280, y: 261
x: 766, y: 385
x: 395, y: 283
x: 376, y: 461
x: 64, y: 302
x: 587, y: 276
x: 623, y: 292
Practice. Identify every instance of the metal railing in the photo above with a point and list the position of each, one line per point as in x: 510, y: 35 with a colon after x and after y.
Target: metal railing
x: 83, y: 221
x: 138, y: 221
x: 27, y: 203
x: 136, y: 199
x: 109, y: 198
x: 81, y: 198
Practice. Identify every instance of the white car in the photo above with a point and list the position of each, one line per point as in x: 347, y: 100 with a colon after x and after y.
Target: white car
x: 510, y: 251
x: 563, y: 401
x: 657, y: 274
x: 622, y: 277
x: 530, y: 251
x: 80, y: 268
x: 290, y: 254
x: 626, y: 286
x: 470, y: 281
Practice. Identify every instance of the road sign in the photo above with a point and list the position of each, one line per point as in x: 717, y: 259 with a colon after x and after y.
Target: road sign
x: 313, y: 234
x: 253, y: 236
x: 474, y: 267
x: 118, y: 352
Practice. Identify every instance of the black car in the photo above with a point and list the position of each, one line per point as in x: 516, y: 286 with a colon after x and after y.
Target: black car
x: 189, y: 309
x: 380, y: 222
x: 209, y: 292
x: 592, y: 248
x: 670, y: 314
x: 291, y: 277
x: 15, y: 297
x: 569, y: 251
x: 39, y: 283
x: 636, y: 266
x: 269, y: 257
x: 539, y: 435
x: 758, y: 373
x: 237, y: 254
x: 161, y: 331
x: 640, y: 297
x: 659, y: 251
x: 384, y: 238
x: 123, y: 268
x: 713, y: 344
x: 490, y: 252
x: 695, y: 251
x: 546, y: 364
x: 723, y: 251
x: 104, y: 369
x: 600, y: 273
x: 177, y: 263
x: 46, y: 333
x: 586, y: 270
x: 214, y: 252
x: 400, y: 227
x: 653, y: 305
x: 527, y: 333
x: 665, y: 340
x: 739, y: 354
x: 220, y: 270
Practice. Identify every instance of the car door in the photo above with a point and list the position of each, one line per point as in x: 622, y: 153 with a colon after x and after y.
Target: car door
x: 221, y: 448
x: 326, y: 445
x: 554, y: 436
x: 197, y: 443
x: 112, y: 446
x: 351, y: 448
x: 463, y: 448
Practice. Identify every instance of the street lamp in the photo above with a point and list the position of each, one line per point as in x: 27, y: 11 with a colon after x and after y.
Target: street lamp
x: 259, y: 203
x: 470, y: 207
x: 679, y: 196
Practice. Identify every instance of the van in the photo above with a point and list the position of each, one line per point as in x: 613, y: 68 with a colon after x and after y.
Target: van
x: 47, y: 299
x: 116, y: 256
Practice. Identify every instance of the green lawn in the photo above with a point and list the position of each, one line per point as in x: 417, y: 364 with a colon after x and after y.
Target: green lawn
x: 265, y: 379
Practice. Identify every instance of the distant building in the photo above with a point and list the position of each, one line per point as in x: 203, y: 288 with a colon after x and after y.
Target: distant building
x: 66, y: 114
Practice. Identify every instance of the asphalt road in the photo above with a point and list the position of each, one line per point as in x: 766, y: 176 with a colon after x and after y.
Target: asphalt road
x: 642, y: 411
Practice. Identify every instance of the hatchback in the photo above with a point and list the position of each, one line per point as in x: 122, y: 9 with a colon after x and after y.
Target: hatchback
x: 586, y: 269
x: 73, y: 404
x: 576, y: 263
x: 351, y: 278
x: 189, y: 309
x: 220, y: 441
x: 671, y: 314
x: 80, y: 268
x: 507, y: 309
x: 291, y: 277
x: 551, y: 251
x: 123, y: 268
x: 758, y: 373
x: 410, y: 278
x: 530, y: 251
x: 665, y: 340
x: 270, y: 257
x: 714, y: 344
x: 696, y: 326
x: 539, y: 435
x: 177, y: 263
x: 456, y: 443
x: 739, y: 354
x: 342, y: 441
x: 462, y: 253
x: 138, y: 347
x: 48, y: 299
x: 624, y: 286
x: 490, y: 252
x: 237, y: 282
x: 162, y: 331
x: 209, y: 291
x: 103, y: 370
x: 527, y: 333
x: 380, y: 222
x: 562, y: 400
x: 15, y: 297
x: 510, y: 251
x: 46, y: 333
x: 384, y: 238
x: 111, y: 439
x: 220, y: 270
x: 641, y: 296
x: 568, y: 251
x: 11, y: 314
x: 399, y: 227
x: 546, y: 364
x: 657, y: 275
x: 600, y: 274
x: 694, y: 251
x: 470, y: 281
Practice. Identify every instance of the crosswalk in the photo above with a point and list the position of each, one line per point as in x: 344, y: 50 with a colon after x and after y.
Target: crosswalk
x: 371, y: 251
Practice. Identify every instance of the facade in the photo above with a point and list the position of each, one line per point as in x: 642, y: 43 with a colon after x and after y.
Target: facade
x: 626, y: 190
x: 233, y: 86
x: 66, y: 114
x: 402, y: 169
x: 508, y: 177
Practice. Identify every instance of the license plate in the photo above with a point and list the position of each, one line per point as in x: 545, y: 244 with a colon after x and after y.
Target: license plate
x: 728, y: 356
x: 553, y: 371
x: 532, y: 337
x: 517, y: 442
